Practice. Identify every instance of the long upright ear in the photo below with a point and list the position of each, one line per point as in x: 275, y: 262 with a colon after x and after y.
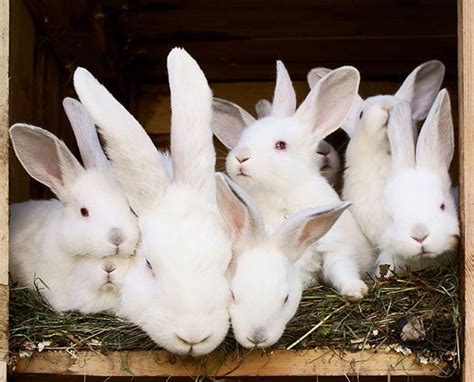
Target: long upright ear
x: 229, y: 121
x: 284, y: 97
x: 45, y: 158
x: 238, y: 211
x: 400, y: 134
x: 263, y: 108
x: 137, y: 163
x: 304, y: 228
x: 350, y: 124
x: 329, y: 103
x: 86, y: 135
x: 435, y: 147
x: 421, y: 87
x: 192, y: 149
x: 315, y: 74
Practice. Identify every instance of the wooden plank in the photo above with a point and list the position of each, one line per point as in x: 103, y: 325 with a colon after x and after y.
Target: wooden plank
x: 257, y: 363
x: 254, y: 60
x: 4, y: 85
x: 227, y: 20
x: 466, y: 110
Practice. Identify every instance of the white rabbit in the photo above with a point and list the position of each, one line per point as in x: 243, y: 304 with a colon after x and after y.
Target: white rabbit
x: 96, y: 283
x: 367, y: 163
x: 273, y: 160
x: 284, y: 98
x: 266, y: 283
x: 90, y: 218
x: 176, y: 291
x: 423, y: 216
x: 326, y: 158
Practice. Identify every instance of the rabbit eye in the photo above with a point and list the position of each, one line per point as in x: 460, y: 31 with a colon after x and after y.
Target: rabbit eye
x: 361, y: 115
x: 233, y: 295
x: 280, y: 145
x: 84, y: 212
x: 442, y: 206
x: 286, y: 299
x: 148, y: 264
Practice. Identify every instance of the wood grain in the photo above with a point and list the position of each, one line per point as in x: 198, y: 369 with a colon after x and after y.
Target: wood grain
x: 4, y: 86
x: 466, y: 108
x: 257, y: 363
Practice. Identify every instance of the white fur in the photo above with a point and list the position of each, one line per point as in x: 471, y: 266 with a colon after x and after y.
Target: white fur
x: 283, y: 182
x: 418, y: 199
x: 368, y: 156
x: 46, y: 237
x: 176, y: 291
x: 266, y: 282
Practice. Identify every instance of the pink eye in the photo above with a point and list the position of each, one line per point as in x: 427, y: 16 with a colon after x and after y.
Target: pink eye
x: 84, y: 212
x: 280, y: 145
x: 286, y: 299
x: 442, y: 206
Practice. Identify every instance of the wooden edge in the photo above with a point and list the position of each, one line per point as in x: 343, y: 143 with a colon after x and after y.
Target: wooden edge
x: 256, y: 363
x: 3, y: 371
x: 466, y: 140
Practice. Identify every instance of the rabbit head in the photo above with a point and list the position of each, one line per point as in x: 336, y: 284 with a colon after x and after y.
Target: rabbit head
x: 418, y: 197
x: 370, y: 116
x: 265, y: 282
x: 96, y: 219
x: 268, y: 152
x: 326, y: 158
x: 177, y: 290
x: 96, y: 283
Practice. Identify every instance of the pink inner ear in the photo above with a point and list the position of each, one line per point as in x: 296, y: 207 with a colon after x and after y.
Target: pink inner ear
x: 309, y: 231
x: 230, y: 207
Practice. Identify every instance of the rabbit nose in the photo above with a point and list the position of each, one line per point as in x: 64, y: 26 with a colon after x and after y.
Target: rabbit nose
x: 242, y: 159
x: 419, y: 233
x: 258, y: 336
x: 116, y: 236
x: 323, y: 152
x: 192, y: 340
x: 109, y: 268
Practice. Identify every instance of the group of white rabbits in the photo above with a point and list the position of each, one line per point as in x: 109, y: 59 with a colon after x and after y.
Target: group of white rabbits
x: 162, y: 240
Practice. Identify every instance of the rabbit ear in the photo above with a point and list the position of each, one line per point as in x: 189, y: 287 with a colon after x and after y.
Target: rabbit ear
x: 315, y: 75
x: 263, y: 108
x: 352, y: 119
x: 328, y: 104
x: 304, y: 228
x: 229, y: 121
x: 239, y: 211
x: 192, y: 149
x: 284, y: 97
x: 86, y: 135
x: 45, y: 158
x: 435, y: 147
x: 400, y: 134
x: 421, y: 87
x: 138, y: 165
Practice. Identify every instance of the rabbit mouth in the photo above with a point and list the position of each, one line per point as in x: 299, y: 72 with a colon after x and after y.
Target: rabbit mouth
x: 243, y: 174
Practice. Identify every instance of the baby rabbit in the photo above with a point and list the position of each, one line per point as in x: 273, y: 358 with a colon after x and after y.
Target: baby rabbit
x: 368, y: 152
x: 418, y: 199
x: 91, y: 216
x: 266, y: 282
x: 272, y: 159
x: 96, y: 283
x: 176, y: 291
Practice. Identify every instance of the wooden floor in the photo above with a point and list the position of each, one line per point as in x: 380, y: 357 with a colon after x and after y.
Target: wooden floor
x: 258, y: 364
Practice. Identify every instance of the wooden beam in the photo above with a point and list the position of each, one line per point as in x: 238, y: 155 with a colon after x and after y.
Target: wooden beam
x: 466, y: 110
x: 256, y: 363
x: 254, y: 60
x: 4, y: 110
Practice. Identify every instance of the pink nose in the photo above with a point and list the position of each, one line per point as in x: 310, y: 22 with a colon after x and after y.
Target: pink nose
x: 241, y: 159
x: 419, y: 239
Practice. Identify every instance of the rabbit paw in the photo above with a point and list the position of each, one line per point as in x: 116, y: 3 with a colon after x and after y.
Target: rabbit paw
x: 354, y: 290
